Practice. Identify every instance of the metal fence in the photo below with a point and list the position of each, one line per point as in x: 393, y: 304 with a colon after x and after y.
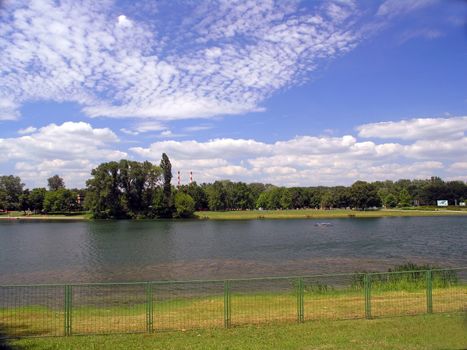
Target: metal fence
x: 63, y: 310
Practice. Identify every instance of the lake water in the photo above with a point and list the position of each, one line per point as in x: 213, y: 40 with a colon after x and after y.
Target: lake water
x: 94, y: 251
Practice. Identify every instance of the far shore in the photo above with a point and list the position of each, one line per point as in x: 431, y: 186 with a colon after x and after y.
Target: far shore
x: 322, y: 214
x: 271, y: 214
x: 43, y: 217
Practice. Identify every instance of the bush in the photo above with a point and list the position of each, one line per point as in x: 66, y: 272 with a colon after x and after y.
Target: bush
x: 184, y: 205
x: 408, y: 277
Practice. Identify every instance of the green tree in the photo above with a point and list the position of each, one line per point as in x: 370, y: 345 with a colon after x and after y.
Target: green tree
x: 137, y: 182
x: 126, y: 189
x: 327, y: 200
x: 390, y: 201
x: 103, y: 193
x: 364, y: 195
x: 184, y: 205
x: 11, y: 189
x: 404, y: 198
x: 166, y: 168
x: 198, y: 194
x: 61, y: 200
x: 286, y: 200
x: 55, y: 183
x: 216, y: 196
x: 36, y: 199
x: 241, y: 196
x: 24, y: 203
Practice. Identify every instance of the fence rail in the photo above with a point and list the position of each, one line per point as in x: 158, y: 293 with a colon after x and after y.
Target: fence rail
x: 103, y: 308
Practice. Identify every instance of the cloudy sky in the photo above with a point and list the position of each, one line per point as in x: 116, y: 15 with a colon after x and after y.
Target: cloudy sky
x: 284, y: 92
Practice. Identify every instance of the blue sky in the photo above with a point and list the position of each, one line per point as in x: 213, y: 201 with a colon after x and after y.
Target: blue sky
x: 285, y: 92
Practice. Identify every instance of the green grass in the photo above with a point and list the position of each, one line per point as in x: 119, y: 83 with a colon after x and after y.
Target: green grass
x: 112, y: 315
x: 416, y: 332
x: 22, y: 216
x: 319, y: 214
x: 274, y: 214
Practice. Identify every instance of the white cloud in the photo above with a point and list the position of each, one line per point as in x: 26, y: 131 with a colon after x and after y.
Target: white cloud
x: 419, y: 128
x: 197, y: 128
x: 28, y: 130
x: 114, y: 66
x: 123, y: 21
x: 461, y: 166
x: 129, y: 132
x: 325, y: 160
x: 425, y: 33
x: 229, y: 148
x: 149, y: 126
x: 401, y: 7
x: 71, y: 149
x: 8, y: 108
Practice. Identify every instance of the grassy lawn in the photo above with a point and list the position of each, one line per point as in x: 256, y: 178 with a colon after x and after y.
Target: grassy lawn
x: 446, y: 331
x: 123, y: 313
x: 320, y: 214
x: 272, y: 214
x: 22, y: 216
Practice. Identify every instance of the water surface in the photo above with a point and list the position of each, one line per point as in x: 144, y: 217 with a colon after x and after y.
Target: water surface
x: 93, y: 251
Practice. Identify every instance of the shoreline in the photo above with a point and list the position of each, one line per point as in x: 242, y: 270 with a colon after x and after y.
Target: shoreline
x: 321, y: 214
x: 271, y: 215
x: 45, y: 217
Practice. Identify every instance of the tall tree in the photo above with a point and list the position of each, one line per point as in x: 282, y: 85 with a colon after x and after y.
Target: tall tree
x: 364, y: 195
x: 217, y: 196
x: 36, y: 199
x: 55, y: 183
x: 404, y: 198
x: 61, y: 200
x: 103, y: 196
x: 166, y: 168
x: 11, y: 190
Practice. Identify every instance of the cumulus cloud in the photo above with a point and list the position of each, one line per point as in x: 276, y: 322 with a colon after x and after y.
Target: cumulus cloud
x: 325, y: 160
x: 71, y: 149
x: 128, y: 65
x: 28, y: 130
x: 418, y: 128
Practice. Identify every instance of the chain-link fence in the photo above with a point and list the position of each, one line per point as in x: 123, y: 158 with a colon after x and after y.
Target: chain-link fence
x: 56, y: 310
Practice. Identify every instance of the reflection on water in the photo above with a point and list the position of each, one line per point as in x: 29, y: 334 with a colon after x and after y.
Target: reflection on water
x: 32, y: 252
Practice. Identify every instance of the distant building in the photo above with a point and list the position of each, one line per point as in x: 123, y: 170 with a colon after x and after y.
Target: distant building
x: 442, y: 203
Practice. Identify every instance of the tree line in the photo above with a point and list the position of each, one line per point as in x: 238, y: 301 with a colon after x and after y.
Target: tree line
x: 131, y: 189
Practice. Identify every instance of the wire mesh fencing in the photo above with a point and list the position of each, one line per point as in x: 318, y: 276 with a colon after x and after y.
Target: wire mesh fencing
x: 62, y: 310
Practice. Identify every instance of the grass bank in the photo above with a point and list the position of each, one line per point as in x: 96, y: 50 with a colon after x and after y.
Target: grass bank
x: 415, y: 332
x: 103, y: 310
x: 19, y: 215
x: 269, y: 214
x: 45, y: 218
x: 320, y: 214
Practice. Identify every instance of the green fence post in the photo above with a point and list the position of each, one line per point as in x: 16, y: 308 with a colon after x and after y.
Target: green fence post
x: 68, y: 310
x: 149, y: 309
x: 65, y: 315
x: 300, y: 301
x: 367, y: 288
x: 429, y: 292
x: 227, y: 305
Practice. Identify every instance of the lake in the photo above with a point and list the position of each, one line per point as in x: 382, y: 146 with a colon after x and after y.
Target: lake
x: 95, y: 251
